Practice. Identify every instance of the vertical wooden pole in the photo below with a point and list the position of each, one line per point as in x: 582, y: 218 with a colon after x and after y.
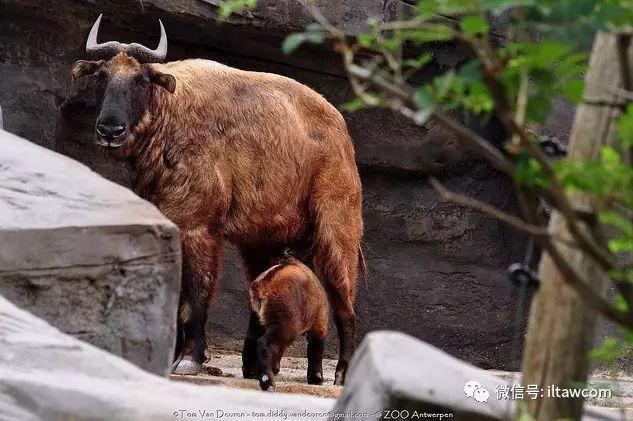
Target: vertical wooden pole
x: 561, y: 326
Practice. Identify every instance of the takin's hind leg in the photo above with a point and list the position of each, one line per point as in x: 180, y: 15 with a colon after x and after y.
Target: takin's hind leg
x: 336, y: 253
x: 201, y: 262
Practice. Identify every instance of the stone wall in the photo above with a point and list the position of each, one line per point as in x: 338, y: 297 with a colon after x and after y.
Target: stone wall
x: 437, y: 271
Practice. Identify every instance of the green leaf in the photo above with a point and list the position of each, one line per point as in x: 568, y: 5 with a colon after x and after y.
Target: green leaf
x: 353, y: 105
x: 423, y: 98
x: 366, y: 40
x: 419, y: 62
x: 314, y: 33
x: 470, y: 72
x: 422, y: 115
x: 573, y: 90
x: 444, y: 83
x: 620, y: 303
x: 474, y: 25
x: 434, y: 33
x: 609, y: 157
x: 292, y: 42
x: 499, y: 6
x: 617, y: 220
x: 529, y: 172
x: 607, y: 351
x: 228, y: 7
x: 625, y: 127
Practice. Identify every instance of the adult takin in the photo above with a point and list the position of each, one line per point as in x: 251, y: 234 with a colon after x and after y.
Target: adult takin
x: 255, y: 159
x: 289, y: 301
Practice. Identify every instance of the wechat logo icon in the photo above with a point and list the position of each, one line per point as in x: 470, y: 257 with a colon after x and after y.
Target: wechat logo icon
x: 475, y: 390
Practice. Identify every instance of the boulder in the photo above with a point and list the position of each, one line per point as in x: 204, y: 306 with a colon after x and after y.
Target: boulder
x: 395, y: 376
x: 393, y: 371
x: 87, y: 255
x: 47, y: 375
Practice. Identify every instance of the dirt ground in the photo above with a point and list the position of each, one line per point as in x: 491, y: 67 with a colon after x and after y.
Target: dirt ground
x: 225, y: 369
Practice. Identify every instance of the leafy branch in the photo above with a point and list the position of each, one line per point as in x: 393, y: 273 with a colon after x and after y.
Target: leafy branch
x: 514, y: 79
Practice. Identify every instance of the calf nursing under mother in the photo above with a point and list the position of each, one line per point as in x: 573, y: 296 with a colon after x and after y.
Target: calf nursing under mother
x: 289, y: 301
x: 255, y: 159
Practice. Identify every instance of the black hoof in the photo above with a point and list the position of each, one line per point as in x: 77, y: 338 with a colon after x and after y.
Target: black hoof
x: 266, y: 383
x: 316, y: 378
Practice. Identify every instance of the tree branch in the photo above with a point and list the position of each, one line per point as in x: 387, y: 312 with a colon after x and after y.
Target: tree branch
x: 569, y: 276
x: 511, y: 220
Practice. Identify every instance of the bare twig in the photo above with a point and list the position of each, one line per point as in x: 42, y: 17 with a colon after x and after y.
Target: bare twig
x: 492, y: 211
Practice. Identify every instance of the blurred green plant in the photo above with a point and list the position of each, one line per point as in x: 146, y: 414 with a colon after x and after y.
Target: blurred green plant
x: 228, y: 7
x: 514, y: 73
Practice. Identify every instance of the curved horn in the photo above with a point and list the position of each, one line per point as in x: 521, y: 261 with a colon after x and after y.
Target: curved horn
x: 107, y: 49
x: 144, y: 54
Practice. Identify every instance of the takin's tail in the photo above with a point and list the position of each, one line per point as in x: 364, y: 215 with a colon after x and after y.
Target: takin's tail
x: 362, y: 266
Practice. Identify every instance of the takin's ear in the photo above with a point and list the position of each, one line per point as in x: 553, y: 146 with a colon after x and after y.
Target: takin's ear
x: 83, y: 68
x: 164, y: 80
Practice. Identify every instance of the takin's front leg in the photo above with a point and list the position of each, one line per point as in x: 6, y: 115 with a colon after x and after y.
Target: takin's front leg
x: 202, y: 253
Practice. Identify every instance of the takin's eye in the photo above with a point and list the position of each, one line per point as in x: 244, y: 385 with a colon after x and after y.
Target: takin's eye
x: 141, y: 80
x: 101, y: 74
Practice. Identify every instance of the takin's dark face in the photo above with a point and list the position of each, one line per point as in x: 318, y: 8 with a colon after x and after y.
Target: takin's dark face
x: 125, y: 86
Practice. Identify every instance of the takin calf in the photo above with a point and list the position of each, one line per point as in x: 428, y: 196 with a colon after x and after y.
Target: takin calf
x: 289, y: 301
x: 255, y: 159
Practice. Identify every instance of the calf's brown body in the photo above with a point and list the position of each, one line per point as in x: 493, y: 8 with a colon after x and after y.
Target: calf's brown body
x: 289, y: 301
x: 255, y: 159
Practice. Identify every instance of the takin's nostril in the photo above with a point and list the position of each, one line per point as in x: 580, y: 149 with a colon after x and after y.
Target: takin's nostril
x: 118, y: 131
x: 110, y: 131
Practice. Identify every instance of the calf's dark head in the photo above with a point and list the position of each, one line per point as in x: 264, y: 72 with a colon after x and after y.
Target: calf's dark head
x: 125, y: 80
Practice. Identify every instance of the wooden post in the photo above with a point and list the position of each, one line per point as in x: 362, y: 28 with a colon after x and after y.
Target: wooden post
x: 561, y: 326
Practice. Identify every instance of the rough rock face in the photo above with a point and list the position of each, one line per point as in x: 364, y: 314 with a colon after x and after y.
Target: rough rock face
x: 87, y: 255
x: 86, y: 383
x: 437, y: 271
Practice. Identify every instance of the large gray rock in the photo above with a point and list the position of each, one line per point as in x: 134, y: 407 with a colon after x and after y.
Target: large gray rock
x: 46, y: 375
x: 392, y: 372
x: 87, y: 255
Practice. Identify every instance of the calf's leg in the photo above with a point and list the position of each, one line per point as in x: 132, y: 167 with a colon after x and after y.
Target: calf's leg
x: 255, y: 261
x: 269, y: 353
x: 250, y: 352
x: 316, y: 345
x: 201, y: 262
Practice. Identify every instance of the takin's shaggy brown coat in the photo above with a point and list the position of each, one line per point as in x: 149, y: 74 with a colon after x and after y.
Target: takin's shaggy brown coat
x: 290, y: 301
x: 254, y: 158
